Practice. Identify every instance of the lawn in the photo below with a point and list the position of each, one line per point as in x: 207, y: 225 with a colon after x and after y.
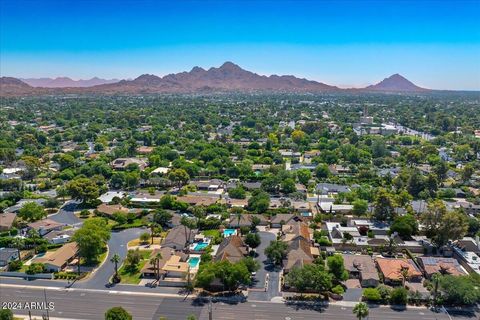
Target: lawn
x: 136, y: 242
x: 134, y: 276
x: 211, y: 233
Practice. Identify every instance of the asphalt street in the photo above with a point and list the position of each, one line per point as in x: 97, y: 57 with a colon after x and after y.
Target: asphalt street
x: 265, y: 268
x: 86, y: 304
x: 66, y: 214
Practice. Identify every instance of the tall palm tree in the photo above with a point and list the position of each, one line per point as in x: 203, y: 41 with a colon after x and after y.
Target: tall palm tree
x: 435, y: 279
x: 115, y: 260
x: 34, y: 235
x: 18, y: 244
x: 188, y: 223
x: 155, y: 262
x: 153, y: 227
x: 360, y: 310
x: 404, y: 272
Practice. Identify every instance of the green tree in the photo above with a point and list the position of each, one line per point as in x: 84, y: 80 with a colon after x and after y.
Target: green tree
x: 6, y: 314
x: 360, y: 310
x: 18, y: 243
x: 179, y: 177
x: 117, y: 313
x: 336, y: 267
x: 360, y: 207
x: 399, y: 296
x: 405, y: 226
x: 83, y: 189
x: 276, y: 251
x: 92, y: 238
x: 253, y: 240
x: 162, y: 217
x: 288, y: 186
x: 237, y: 193
x: 322, y: 171
x: 32, y: 211
x: 459, y: 290
x: 383, y: 207
x: 304, y: 175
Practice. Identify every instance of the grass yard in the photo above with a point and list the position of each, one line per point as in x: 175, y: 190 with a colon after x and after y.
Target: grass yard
x: 136, y: 242
x: 134, y: 276
x: 211, y: 233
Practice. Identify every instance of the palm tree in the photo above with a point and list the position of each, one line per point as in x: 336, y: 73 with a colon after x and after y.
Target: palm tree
x: 435, y: 279
x: 360, y: 310
x: 190, y: 224
x: 238, y: 214
x: 34, y: 235
x: 115, y: 260
x: 391, y: 246
x: 153, y: 227
x: 404, y: 272
x: 155, y: 262
x: 18, y: 244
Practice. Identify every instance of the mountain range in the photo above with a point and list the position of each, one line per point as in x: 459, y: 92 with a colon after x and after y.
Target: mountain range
x: 229, y: 77
x: 65, y: 82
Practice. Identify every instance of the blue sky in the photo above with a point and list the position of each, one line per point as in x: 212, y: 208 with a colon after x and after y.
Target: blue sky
x: 435, y: 44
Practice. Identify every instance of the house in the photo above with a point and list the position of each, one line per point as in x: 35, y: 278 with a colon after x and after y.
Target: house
x: 236, y: 203
x: 329, y: 207
x: 246, y: 220
x: 178, y: 237
x: 56, y: 261
x: 252, y: 185
x: 294, y: 228
x: 391, y: 270
x: 144, y: 150
x: 148, y: 271
x: 45, y: 226
x: 441, y: 265
x: 7, y: 255
x: 198, y: 200
x: 208, y: 185
x: 146, y: 197
x: 58, y: 237
x: 331, y: 188
x: 107, y: 197
x: 110, y: 209
x: 232, y: 249
x: 6, y: 220
x: 300, y: 253
x: 337, y: 169
x: 280, y: 219
x: 123, y: 163
x: 362, y: 267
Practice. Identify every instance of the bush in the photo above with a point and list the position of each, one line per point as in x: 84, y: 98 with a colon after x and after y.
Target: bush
x: 35, y: 268
x: 372, y: 295
x: 84, y: 213
x: 117, y: 313
x: 15, y: 265
x: 6, y: 314
x: 399, y: 296
x: 42, y: 248
x: 384, y: 292
x: 338, y: 289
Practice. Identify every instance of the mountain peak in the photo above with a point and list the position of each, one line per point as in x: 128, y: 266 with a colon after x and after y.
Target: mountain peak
x: 197, y: 69
x: 396, y: 82
x: 228, y: 65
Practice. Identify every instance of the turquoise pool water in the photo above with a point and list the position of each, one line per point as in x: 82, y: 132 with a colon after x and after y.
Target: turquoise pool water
x: 200, y: 246
x: 193, y: 262
x: 228, y: 232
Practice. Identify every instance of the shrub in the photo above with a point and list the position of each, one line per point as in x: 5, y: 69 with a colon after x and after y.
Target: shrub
x: 372, y: 295
x: 338, y: 289
x: 6, y: 314
x: 399, y: 296
x: 384, y: 292
x: 35, y: 268
x: 15, y: 265
x: 84, y: 213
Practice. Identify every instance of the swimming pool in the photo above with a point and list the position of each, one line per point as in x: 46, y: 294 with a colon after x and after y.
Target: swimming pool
x: 200, y: 246
x: 229, y: 232
x: 193, y: 262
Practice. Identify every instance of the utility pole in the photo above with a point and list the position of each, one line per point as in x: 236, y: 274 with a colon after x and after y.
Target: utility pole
x: 46, y: 303
x: 210, y: 315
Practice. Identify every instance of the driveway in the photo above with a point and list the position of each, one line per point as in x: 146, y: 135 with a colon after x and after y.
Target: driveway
x: 117, y: 244
x: 257, y: 292
x: 67, y: 215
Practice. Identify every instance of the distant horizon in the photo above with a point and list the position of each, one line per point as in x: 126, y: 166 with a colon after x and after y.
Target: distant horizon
x: 349, y: 44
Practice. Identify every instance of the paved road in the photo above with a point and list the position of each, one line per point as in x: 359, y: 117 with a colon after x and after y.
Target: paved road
x: 265, y: 268
x: 117, y: 244
x: 66, y: 214
x: 83, y: 304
